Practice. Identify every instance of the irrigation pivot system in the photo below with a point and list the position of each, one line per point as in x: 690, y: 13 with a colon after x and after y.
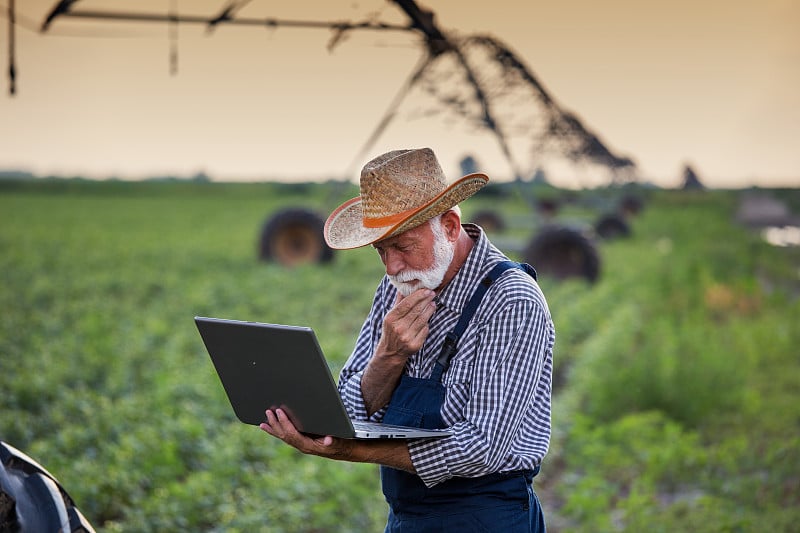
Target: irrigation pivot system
x: 473, y: 81
x: 452, y: 71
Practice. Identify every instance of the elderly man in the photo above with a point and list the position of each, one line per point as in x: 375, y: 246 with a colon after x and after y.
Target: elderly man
x: 458, y: 336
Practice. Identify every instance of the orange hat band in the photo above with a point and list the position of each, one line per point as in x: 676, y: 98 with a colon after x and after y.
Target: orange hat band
x: 390, y: 220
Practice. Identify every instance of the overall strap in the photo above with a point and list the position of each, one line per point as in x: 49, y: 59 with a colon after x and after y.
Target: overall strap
x: 450, y: 344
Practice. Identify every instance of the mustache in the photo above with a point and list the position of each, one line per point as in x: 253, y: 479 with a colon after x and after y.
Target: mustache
x: 407, y: 275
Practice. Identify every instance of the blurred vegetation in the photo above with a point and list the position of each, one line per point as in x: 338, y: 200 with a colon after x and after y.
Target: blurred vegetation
x: 676, y: 374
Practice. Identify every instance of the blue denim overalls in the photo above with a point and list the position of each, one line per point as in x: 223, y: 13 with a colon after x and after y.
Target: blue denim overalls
x: 502, y: 502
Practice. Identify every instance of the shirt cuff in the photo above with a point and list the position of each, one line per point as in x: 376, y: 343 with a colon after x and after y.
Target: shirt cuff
x: 427, y: 456
x: 352, y: 398
x: 354, y: 401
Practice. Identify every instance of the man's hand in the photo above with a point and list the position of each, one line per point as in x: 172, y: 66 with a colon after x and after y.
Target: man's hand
x: 387, y: 452
x: 405, y: 329
x: 278, y: 425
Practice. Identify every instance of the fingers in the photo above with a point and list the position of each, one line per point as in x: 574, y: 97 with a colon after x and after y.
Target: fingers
x: 405, y: 327
x: 272, y: 426
x: 280, y: 426
x: 413, y: 312
x: 414, y: 302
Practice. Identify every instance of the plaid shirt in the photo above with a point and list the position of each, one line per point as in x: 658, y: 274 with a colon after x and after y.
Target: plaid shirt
x: 497, y: 397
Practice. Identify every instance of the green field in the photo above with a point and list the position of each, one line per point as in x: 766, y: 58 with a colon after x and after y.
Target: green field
x: 676, y: 373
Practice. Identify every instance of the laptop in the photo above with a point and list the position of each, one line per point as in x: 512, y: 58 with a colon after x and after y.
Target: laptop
x: 266, y: 366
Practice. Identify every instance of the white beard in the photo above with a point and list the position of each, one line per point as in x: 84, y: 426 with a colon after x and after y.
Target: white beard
x: 409, y: 280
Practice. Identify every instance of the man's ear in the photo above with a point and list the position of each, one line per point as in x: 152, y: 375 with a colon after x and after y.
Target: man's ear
x: 451, y: 223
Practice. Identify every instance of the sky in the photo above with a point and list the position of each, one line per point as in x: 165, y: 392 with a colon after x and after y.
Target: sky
x: 714, y: 84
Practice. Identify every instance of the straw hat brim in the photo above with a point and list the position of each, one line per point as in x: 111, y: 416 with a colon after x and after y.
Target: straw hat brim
x: 345, y: 228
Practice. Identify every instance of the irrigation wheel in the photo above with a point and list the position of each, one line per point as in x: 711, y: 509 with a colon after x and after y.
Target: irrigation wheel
x: 563, y: 252
x: 612, y: 226
x: 293, y: 236
x: 489, y: 220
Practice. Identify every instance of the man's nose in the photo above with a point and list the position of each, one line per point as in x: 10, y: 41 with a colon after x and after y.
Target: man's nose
x: 393, y: 261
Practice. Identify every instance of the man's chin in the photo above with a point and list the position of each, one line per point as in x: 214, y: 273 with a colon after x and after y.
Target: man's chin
x: 406, y: 288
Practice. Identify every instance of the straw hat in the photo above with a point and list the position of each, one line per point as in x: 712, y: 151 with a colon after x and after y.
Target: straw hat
x: 400, y: 190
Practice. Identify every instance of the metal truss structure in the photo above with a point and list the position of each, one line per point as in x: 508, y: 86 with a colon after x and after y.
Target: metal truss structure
x: 476, y: 80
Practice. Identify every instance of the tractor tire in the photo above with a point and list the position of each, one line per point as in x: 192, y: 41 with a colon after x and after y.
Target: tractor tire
x: 612, y: 226
x: 562, y: 253
x: 293, y: 236
x: 490, y: 221
x: 630, y: 205
x: 548, y: 207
